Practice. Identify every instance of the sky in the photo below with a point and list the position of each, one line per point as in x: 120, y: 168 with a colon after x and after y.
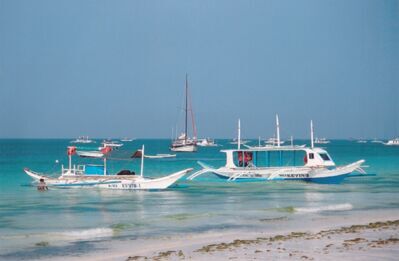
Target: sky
x: 117, y: 68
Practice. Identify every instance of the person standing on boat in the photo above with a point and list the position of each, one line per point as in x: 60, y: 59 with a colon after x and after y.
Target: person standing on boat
x: 42, y: 185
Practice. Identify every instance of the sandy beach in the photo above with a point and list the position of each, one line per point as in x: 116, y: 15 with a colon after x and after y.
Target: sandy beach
x: 374, y: 240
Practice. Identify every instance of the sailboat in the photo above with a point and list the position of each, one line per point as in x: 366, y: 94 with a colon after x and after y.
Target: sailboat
x: 97, y: 176
x: 183, y: 143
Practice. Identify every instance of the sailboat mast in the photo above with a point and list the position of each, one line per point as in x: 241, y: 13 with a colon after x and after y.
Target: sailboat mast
x: 185, y: 125
x: 278, y: 130
x: 311, y: 135
x: 142, y: 162
x: 239, y: 135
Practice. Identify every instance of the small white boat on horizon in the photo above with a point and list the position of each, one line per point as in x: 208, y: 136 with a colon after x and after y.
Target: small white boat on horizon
x: 207, y: 142
x: 393, y: 142
x: 83, y: 140
x: 126, y: 139
x: 97, y: 176
x: 111, y: 143
x: 273, y: 141
x: 321, y: 141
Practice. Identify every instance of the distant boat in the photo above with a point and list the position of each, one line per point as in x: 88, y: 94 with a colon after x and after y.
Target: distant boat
x: 377, y: 141
x: 126, y: 139
x: 97, y: 176
x: 183, y: 143
x: 273, y: 141
x: 393, y: 142
x: 235, y: 141
x: 361, y: 141
x: 207, y: 143
x: 111, y: 143
x: 83, y: 139
x: 321, y: 141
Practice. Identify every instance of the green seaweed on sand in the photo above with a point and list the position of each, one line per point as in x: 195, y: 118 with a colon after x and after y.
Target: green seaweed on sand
x: 273, y: 219
x: 119, y: 227
x: 185, y: 216
x: 288, y: 209
x: 42, y: 244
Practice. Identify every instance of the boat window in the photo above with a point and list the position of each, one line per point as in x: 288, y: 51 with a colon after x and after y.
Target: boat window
x: 324, y: 156
x: 311, y: 155
x: 262, y: 159
x: 244, y: 159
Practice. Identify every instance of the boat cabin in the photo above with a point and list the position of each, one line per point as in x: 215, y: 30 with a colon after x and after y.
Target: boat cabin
x: 278, y: 157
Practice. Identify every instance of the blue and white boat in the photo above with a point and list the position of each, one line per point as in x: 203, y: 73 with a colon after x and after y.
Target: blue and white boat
x: 282, y: 163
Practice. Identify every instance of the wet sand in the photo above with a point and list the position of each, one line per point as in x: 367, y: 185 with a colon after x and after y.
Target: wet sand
x: 377, y: 239
x: 373, y: 241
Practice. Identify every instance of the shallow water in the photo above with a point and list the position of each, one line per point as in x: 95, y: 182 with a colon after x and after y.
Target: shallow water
x: 53, y: 222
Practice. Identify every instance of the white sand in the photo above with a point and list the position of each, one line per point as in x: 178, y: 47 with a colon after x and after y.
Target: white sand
x: 379, y: 242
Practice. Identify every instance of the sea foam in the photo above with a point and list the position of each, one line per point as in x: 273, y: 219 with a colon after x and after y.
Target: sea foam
x: 86, y: 233
x: 337, y: 207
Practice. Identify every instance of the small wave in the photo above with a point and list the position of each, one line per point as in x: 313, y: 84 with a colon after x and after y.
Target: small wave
x: 338, y: 207
x: 86, y: 233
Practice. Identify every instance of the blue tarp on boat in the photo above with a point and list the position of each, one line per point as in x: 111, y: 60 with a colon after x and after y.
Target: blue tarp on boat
x: 94, y: 169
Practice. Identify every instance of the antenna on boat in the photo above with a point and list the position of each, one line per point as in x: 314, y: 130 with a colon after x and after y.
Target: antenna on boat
x: 278, y: 131
x: 239, y: 135
x: 142, y: 161
x: 311, y: 134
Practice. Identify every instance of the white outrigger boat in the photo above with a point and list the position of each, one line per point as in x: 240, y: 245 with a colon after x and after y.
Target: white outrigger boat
x: 267, y: 164
x: 97, y: 176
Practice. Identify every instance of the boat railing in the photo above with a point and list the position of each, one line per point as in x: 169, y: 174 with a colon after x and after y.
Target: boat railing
x: 74, y: 170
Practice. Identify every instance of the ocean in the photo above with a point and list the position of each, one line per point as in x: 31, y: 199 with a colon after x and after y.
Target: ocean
x: 62, y: 222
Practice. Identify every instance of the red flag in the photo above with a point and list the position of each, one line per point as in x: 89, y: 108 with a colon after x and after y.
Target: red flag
x: 106, y: 149
x: 71, y: 150
x: 137, y: 154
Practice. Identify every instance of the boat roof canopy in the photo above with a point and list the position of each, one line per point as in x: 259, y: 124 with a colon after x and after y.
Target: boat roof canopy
x: 273, y: 148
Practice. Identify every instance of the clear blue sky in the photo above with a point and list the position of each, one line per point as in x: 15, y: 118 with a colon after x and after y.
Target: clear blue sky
x: 117, y: 68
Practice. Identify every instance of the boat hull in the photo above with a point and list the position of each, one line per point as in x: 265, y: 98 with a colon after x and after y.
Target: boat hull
x: 184, y: 148
x: 119, y: 182
x: 316, y: 175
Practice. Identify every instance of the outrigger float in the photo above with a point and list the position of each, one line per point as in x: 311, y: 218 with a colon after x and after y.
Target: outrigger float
x: 271, y: 163
x: 98, y: 177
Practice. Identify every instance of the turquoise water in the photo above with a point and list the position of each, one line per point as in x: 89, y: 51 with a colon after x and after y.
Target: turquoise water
x: 63, y: 221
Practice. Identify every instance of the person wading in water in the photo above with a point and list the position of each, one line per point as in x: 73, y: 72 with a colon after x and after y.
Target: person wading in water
x: 42, y: 185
